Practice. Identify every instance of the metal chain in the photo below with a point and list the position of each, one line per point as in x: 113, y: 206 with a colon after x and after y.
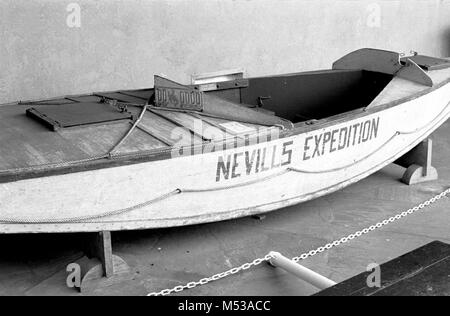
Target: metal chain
x: 369, y: 229
x: 215, y: 277
x: 305, y: 255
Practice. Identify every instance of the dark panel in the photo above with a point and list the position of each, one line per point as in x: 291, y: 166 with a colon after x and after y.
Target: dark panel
x: 315, y: 95
x: 424, y: 271
x: 77, y: 114
x: 233, y: 95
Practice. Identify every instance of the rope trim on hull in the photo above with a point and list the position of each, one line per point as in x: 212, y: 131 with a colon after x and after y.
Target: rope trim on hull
x: 80, y: 219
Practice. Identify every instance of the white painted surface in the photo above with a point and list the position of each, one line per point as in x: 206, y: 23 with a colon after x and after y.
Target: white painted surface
x: 96, y: 192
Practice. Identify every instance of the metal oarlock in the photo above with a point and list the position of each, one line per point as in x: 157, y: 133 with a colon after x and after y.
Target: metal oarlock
x: 307, y: 275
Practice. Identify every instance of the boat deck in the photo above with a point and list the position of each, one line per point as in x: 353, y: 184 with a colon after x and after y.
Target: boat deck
x: 25, y: 142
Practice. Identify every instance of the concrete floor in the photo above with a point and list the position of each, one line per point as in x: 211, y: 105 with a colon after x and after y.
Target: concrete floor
x: 35, y: 265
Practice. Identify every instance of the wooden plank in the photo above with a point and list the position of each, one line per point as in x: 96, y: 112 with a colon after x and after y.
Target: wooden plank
x: 142, y: 94
x: 210, y: 122
x: 218, y: 121
x: 49, y: 102
x: 25, y: 142
x: 439, y: 76
x: 420, y: 155
x: 199, y: 125
x: 85, y: 98
x: 144, y: 129
x: 105, y: 253
x: 174, y: 118
x: 121, y: 97
x: 98, y: 140
x: 422, y: 272
x: 167, y: 131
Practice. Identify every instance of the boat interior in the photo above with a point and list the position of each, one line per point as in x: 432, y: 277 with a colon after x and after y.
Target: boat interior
x: 54, y: 133
x: 315, y: 95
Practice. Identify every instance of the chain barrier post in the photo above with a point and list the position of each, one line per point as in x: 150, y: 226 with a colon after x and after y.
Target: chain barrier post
x: 305, y: 255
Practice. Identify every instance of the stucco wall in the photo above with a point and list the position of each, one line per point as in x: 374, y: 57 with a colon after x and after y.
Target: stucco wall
x: 121, y: 44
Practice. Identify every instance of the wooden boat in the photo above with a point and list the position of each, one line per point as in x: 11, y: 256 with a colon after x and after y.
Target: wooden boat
x: 179, y: 155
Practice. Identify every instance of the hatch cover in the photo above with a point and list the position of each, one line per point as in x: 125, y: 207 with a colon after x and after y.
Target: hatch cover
x: 77, y: 114
x: 429, y: 63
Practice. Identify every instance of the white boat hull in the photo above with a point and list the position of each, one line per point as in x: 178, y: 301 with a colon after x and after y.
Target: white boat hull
x: 195, y: 189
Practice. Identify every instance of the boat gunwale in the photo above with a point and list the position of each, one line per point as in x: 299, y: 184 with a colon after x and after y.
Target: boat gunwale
x: 204, y: 219
x: 164, y: 153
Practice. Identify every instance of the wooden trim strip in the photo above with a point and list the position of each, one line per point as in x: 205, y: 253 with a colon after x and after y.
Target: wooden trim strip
x: 147, y: 131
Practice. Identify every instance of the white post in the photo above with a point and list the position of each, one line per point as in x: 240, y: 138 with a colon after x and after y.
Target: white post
x: 317, y: 280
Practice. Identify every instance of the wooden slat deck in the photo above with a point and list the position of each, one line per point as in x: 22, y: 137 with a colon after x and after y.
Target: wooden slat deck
x: 25, y: 142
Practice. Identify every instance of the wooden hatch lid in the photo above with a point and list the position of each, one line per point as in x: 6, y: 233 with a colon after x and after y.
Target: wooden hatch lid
x: 76, y: 114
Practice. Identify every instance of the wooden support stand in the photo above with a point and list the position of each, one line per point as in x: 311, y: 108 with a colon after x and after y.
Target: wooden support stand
x: 418, y: 164
x: 105, y: 253
x: 103, y: 269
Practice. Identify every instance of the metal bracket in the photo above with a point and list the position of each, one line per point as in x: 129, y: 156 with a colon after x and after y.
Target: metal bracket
x: 261, y: 100
x: 218, y: 76
x: 220, y: 80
